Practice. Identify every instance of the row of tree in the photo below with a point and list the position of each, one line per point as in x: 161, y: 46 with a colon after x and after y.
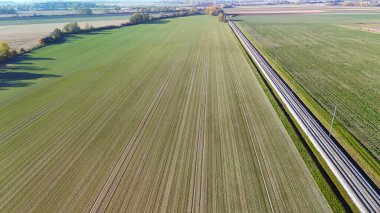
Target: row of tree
x: 61, y: 5
x: 83, y: 11
x: 71, y: 28
x: 155, y: 9
x: 58, y: 34
x: 138, y: 18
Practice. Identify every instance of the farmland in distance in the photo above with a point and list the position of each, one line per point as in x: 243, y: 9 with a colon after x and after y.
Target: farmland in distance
x: 166, y: 116
x: 25, y: 32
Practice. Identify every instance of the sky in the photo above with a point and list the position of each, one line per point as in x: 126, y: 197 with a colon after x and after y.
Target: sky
x: 70, y: 0
x: 30, y: 1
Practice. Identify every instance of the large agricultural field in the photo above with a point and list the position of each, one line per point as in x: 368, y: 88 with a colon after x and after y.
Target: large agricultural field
x: 166, y: 116
x: 334, y: 61
x: 301, y: 9
x: 60, y: 19
x: 25, y: 32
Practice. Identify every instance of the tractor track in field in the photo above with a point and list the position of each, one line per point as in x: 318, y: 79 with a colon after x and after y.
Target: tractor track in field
x: 180, y: 131
x: 49, y: 149
x: 172, y: 77
x: 57, y: 149
x: 50, y: 108
x: 72, y: 92
x: 231, y: 135
x: 85, y: 117
x: 138, y: 133
x: 201, y: 138
x: 253, y: 137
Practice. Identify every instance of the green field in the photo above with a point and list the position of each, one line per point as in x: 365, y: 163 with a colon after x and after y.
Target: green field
x: 334, y: 62
x: 164, y: 117
x: 60, y: 19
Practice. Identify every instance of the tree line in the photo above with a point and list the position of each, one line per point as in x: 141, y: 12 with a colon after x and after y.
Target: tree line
x: 61, y: 5
x: 156, y: 9
x: 83, y: 11
x: 57, y: 35
x: 138, y: 18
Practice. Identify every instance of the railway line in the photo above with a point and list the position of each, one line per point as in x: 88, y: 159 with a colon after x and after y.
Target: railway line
x: 364, y: 195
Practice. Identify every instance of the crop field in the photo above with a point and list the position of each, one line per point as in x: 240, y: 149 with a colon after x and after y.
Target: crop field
x: 301, y: 9
x: 33, y: 13
x: 28, y: 36
x: 336, y: 63
x: 59, y: 19
x: 25, y: 32
x: 166, y: 116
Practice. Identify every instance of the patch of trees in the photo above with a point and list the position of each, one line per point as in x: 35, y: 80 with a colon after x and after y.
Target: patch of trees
x: 138, y: 18
x: 193, y: 11
x: 156, y: 9
x: 58, y: 34
x: 88, y: 27
x: 5, y: 10
x: 110, y: 10
x: 222, y: 17
x: 83, y: 11
x: 6, y: 52
x: 213, y: 10
x: 72, y: 28
x: 54, y: 36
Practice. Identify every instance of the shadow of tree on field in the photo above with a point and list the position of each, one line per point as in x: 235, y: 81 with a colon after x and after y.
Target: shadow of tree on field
x: 159, y: 21
x: 20, y: 70
x: 76, y: 37
x: 105, y: 31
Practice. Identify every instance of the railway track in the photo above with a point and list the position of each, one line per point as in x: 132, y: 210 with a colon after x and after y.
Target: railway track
x: 364, y: 195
